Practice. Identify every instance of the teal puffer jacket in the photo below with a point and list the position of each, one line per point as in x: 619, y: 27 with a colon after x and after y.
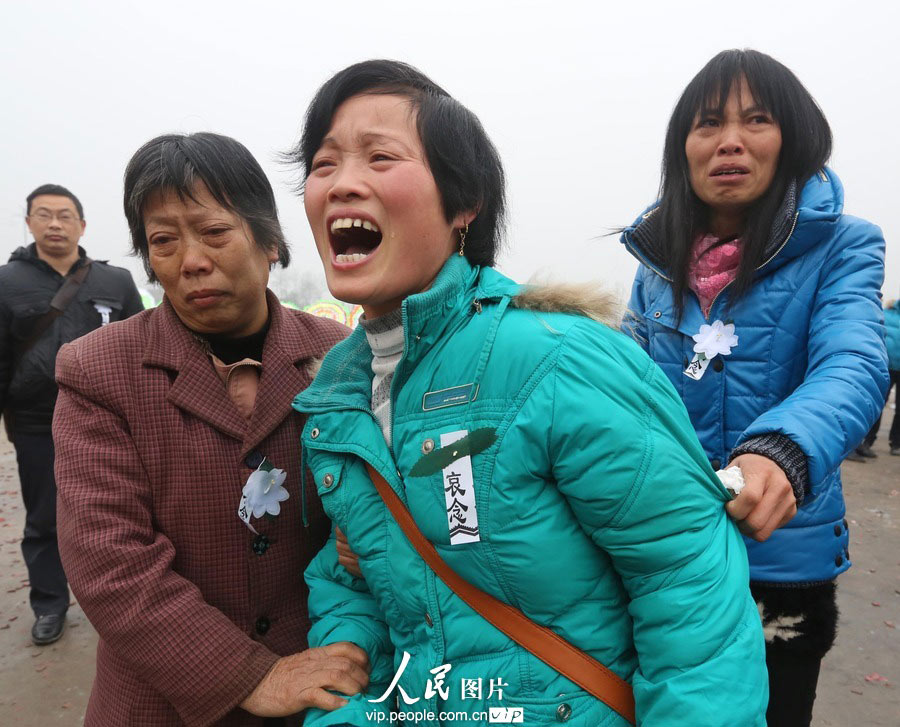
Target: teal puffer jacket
x: 598, y: 516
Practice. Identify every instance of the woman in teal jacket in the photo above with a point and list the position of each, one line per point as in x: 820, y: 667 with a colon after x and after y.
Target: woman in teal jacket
x: 588, y: 503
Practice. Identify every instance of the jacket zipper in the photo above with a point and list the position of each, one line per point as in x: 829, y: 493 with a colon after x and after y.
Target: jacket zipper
x: 634, y: 251
x: 761, y: 265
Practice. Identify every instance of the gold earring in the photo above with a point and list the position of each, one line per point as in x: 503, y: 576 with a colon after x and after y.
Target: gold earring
x: 462, y: 239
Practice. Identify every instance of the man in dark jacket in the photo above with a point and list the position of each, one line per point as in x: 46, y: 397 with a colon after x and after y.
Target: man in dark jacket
x: 30, y: 337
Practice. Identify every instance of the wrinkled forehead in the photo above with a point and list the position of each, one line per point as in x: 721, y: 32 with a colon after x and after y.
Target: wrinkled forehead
x: 170, y: 202
x: 372, y: 115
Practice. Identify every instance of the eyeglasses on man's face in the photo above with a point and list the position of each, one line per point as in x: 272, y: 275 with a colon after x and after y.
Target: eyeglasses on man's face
x: 65, y: 217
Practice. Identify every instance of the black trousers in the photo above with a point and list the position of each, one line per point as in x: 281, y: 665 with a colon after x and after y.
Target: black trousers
x: 792, y: 687
x: 894, y: 435
x: 800, y: 624
x: 49, y: 588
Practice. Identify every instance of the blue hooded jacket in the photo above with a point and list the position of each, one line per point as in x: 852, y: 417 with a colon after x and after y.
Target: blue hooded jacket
x: 810, y: 363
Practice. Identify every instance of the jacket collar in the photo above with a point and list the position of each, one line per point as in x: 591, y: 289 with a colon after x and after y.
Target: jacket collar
x: 795, y: 229
x: 345, y: 378
x: 29, y: 254
x: 198, y: 390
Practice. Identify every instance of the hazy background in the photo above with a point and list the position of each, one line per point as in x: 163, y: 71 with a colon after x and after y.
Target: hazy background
x: 576, y: 96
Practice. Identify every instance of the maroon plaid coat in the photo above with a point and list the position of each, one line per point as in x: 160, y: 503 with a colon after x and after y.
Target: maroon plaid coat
x: 192, y: 609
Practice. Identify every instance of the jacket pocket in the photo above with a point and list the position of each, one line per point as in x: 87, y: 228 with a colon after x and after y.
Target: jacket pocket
x: 328, y: 475
x: 32, y: 376
x: 25, y: 317
x: 666, y: 343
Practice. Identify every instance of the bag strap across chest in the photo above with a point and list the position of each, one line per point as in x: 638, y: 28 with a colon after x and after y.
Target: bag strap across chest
x: 549, y: 647
x: 64, y: 296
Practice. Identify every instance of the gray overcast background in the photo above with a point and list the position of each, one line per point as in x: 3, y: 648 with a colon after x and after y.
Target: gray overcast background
x: 575, y: 95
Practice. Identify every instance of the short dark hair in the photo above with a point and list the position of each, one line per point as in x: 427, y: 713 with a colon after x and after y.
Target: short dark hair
x: 805, y: 148
x: 57, y: 190
x: 463, y: 161
x: 176, y: 162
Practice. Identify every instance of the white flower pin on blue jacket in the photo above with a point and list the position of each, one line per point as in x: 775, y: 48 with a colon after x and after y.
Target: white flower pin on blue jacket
x: 709, y: 342
x: 263, y: 493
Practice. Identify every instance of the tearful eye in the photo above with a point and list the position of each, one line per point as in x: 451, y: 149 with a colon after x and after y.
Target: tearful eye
x: 320, y: 164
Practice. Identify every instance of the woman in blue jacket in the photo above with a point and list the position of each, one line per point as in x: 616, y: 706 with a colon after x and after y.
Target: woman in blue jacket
x: 759, y: 299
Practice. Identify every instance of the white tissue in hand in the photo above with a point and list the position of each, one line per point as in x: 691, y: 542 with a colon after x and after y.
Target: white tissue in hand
x: 733, y: 479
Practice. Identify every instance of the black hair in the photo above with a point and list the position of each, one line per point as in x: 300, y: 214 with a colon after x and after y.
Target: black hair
x: 463, y: 161
x: 176, y: 162
x: 805, y: 148
x: 56, y: 190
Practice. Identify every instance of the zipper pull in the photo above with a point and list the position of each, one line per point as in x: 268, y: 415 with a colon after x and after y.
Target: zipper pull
x: 476, y: 305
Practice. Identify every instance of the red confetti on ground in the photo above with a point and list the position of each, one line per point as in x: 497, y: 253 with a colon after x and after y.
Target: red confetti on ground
x: 876, y: 604
x: 890, y: 624
x: 876, y: 677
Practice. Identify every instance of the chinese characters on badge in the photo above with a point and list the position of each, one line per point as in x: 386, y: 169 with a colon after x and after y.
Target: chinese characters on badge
x: 459, y: 495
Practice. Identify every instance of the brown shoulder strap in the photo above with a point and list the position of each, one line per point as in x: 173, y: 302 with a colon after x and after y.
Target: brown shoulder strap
x: 65, y: 295
x: 547, y: 646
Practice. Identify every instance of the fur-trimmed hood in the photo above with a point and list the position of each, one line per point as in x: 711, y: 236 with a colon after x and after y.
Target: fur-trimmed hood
x: 591, y: 300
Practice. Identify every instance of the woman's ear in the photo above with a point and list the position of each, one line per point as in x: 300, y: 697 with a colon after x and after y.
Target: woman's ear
x: 464, y: 219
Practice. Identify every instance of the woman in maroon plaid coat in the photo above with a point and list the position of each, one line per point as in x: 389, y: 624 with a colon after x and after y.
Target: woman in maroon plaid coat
x: 167, y: 425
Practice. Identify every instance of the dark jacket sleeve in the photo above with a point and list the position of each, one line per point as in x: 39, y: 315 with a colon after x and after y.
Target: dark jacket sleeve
x: 131, y: 298
x: 120, y: 566
x: 6, y: 356
x: 783, y: 452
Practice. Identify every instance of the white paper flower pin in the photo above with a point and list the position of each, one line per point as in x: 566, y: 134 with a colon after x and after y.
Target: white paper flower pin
x: 264, y: 492
x: 716, y: 339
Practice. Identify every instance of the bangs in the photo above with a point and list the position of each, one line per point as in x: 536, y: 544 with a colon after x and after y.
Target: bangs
x: 805, y: 148
x: 177, y: 172
x: 710, y: 88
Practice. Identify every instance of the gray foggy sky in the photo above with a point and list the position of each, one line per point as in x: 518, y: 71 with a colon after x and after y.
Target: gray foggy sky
x: 575, y: 95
